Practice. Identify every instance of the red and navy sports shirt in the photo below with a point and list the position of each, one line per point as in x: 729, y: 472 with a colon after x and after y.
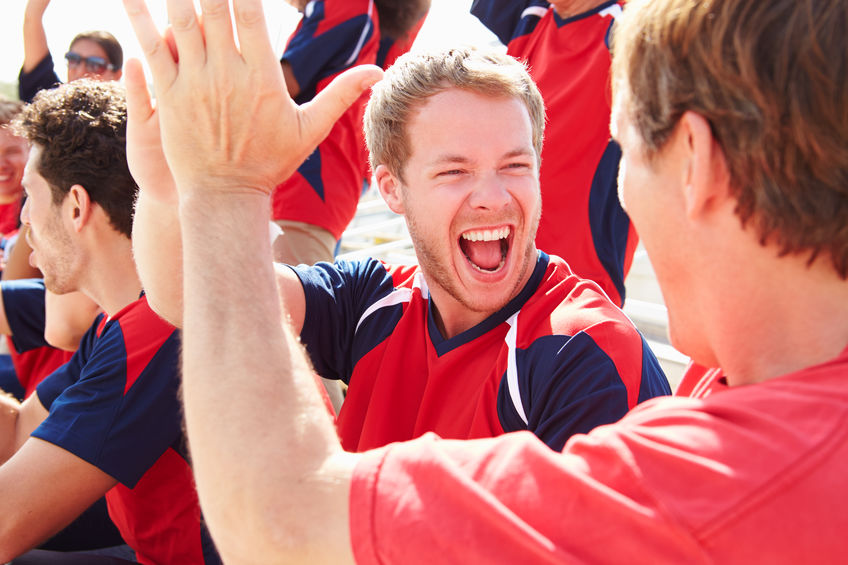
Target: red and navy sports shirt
x: 582, y: 219
x: 333, y: 36
x: 32, y: 357
x: 115, y: 404
x: 558, y: 359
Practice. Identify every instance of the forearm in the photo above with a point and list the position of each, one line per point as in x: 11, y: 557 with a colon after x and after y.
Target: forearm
x: 67, y: 318
x: 253, y: 415
x: 17, y: 264
x: 35, y: 39
x: 157, y: 249
x: 9, y: 412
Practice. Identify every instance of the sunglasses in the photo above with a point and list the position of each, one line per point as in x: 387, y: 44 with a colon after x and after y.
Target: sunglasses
x: 92, y: 64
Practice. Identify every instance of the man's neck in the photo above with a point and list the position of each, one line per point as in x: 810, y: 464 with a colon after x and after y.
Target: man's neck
x: 111, y: 279
x: 794, y: 318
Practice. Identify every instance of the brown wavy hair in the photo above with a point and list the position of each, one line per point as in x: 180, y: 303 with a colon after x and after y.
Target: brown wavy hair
x: 416, y: 76
x: 81, y: 128
x: 770, y: 78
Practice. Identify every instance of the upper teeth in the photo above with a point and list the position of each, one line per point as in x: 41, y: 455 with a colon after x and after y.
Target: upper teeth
x: 486, y: 235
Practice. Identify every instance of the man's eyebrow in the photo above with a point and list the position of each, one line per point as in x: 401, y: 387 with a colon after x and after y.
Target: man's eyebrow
x: 449, y: 158
x: 523, y: 152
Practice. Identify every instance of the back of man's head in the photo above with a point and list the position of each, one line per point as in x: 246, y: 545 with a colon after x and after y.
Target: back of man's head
x: 414, y: 77
x: 107, y: 42
x: 81, y: 130
x: 770, y: 78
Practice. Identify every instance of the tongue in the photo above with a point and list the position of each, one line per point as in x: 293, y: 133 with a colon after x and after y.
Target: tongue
x: 485, y: 254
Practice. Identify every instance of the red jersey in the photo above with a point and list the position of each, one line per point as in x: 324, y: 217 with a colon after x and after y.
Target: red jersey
x: 333, y: 36
x: 582, y: 219
x: 748, y: 474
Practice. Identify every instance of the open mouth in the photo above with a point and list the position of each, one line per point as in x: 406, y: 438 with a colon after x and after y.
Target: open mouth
x: 485, y: 250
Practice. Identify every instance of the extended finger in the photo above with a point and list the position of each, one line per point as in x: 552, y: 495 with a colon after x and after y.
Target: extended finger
x: 158, y: 56
x: 255, y: 45
x: 319, y: 115
x: 139, y: 107
x: 188, y: 34
x: 218, y: 29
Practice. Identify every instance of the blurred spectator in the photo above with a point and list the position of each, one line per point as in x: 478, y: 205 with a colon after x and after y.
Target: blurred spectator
x: 92, y: 54
x: 13, y: 156
x: 316, y: 204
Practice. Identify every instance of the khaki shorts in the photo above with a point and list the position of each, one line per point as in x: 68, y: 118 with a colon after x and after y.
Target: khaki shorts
x: 303, y: 243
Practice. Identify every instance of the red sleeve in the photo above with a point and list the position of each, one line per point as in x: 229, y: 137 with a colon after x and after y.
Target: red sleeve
x: 506, y: 500
x: 753, y: 474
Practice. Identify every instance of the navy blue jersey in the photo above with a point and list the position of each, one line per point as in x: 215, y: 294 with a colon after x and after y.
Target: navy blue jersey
x: 23, y: 302
x: 115, y: 404
x: 42, y: 77
x: 558, y: 359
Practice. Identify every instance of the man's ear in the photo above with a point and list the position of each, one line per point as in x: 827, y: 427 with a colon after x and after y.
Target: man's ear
x: 80, y: 205
x: 389, y: 187
x: 707, y: 179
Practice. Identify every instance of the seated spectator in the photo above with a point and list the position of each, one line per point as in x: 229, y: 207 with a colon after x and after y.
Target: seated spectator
x: 92, y: 54
x: 537, y: 348
x: 731, y: 119
x: 107, y: 422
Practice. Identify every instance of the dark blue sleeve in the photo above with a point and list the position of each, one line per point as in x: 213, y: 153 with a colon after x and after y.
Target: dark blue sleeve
x: 122, y: 428
x: 23, y: 301
x: 336, y: 298
x: 56, y: 382
x: 502, y: 16
x: 568, y: 385
x: 315, y: 56
x: 42, y: 77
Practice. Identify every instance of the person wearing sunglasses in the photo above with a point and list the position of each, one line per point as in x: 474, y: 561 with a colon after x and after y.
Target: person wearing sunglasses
x: 92, y: 54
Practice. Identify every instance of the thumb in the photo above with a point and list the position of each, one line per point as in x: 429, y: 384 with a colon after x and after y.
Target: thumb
x: 320, y: 114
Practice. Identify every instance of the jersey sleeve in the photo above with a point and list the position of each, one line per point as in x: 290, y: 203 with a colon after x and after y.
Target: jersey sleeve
x: 23, y: 302
x: 568, y: 385
x: 42, y: 77
x: 337, y: 296
x: 509, y: 500
x: 327, y: 41
x: 115, y: 404
x: 502, y: 17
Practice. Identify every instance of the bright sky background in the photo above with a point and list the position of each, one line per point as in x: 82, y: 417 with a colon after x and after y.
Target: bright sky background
x: 448, y: 22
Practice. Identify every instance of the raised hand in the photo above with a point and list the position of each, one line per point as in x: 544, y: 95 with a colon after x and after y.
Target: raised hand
x: 227, y: 122
x: 144, y: 144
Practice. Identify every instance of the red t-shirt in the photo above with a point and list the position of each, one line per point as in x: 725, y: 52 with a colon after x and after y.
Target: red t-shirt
x: 749, y: 474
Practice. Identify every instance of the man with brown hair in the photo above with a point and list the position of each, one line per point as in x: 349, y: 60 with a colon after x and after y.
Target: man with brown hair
x: 732, y: 123
x: 92, y: 54
x: 108, y: 421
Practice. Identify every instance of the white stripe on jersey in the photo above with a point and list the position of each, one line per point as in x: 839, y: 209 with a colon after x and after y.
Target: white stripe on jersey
x: 397, y: 296
x: 361, y: 42
x: 537, y: 11
x: 511, y: 367
x: 614, y: 11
